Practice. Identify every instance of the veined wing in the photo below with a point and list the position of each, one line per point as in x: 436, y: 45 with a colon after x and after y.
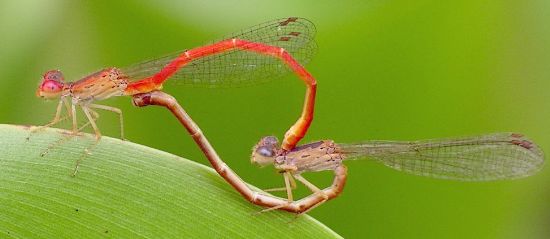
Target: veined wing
x: 239, y: 67
x: 478, y: 158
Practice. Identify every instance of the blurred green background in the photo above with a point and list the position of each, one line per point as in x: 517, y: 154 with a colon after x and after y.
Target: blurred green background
x: 397, y: 70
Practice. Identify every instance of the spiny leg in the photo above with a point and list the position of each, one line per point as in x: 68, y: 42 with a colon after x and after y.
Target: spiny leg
x: 312, y: 207
x: 67, y: 106
x: 66, y: 138
x: 86, y: 111
x: 94, y: 114
x: 313, y: 200
x: 91, y: 121
x: 73, y: 114
x: 57, y: 118
x: 88, y: 150
x: 314, y: 189
x: 35, y: 130
x: 115, y: 110
x: 290, y: 198
x: 292, y: 186
x: 310, y: 185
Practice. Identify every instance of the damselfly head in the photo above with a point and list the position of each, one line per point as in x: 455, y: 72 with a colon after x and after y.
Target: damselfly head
x: 265, y: 151
x: 52, y: 85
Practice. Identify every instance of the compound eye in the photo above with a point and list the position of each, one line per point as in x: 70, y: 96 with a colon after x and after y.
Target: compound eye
x: 271, y: 140
x: 265, y: 151
x: 50, y: 89
x: 51, y: 86
x: 54, y: 75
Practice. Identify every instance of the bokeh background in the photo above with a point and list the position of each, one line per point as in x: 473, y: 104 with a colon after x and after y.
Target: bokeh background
x: 396, y: 70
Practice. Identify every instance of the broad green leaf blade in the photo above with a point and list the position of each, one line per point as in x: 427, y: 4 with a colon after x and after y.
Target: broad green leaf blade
x: 124, y: 190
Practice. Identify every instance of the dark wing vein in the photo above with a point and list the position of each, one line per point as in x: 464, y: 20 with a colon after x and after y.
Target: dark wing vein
x: 479, y: 158
x: 239, y: 67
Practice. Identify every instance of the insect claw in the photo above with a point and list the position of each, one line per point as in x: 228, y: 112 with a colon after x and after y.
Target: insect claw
x: 323, y: 195
x: 74, y: 172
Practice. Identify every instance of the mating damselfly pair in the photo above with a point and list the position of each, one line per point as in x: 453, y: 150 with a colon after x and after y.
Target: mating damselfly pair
x: 262, y: 53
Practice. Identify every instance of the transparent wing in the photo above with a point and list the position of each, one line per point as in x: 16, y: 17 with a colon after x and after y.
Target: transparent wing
x: 237, y: 67
x: 479, y: 158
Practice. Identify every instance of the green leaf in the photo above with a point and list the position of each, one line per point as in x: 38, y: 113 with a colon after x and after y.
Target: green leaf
x: 124, y: 190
